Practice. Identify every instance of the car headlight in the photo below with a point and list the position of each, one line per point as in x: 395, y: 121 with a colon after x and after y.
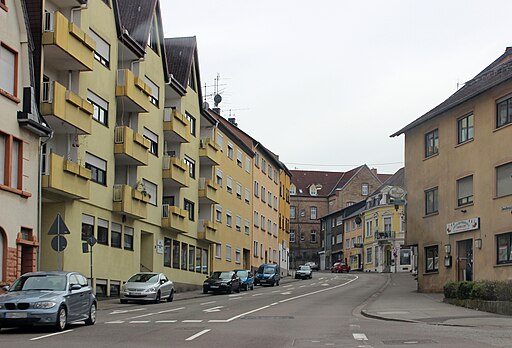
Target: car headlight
x: 150, y: 290
x: 44, y: 305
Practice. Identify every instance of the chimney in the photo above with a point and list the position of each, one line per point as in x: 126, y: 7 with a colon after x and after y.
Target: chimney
x: 232, y: 120
x: 374, y: 171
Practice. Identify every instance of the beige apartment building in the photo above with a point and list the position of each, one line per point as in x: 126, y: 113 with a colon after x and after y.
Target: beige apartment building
x: 22, y: 131
x: 458, y: 177
x: 284, y: 219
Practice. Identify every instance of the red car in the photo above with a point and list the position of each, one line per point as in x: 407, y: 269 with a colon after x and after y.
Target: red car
x: 340, y: 267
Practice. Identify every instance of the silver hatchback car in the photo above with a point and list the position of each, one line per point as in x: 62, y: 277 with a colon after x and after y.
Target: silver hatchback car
x: 147, y: 286
x: 48, y: 298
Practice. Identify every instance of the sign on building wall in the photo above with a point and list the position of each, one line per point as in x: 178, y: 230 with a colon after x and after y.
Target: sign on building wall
x: 463, y: 226
x: 159, y: 246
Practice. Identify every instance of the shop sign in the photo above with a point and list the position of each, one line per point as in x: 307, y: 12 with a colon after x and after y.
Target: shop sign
x: 507, y: 208
x: 463, y: 226
x: 159, y: 246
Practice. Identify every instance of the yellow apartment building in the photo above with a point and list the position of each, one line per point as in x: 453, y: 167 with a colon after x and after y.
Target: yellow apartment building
x: 458, y: 175
x: 22, y: 130
x: 353, y: 244
x: 284, y: 219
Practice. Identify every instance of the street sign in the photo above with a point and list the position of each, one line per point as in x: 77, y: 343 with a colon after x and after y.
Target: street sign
x: 91, y: 241
x: 59, y: 243
x: 58, y: 227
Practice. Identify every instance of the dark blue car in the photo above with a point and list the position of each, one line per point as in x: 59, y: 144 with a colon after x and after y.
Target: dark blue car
x: 246, y: 279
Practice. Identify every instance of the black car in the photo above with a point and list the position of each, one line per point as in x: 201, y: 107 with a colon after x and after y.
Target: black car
x: 226, y: 282
x: 304, y: 272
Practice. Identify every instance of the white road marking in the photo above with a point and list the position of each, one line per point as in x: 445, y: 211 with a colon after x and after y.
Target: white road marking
x: 324, y: 284
x: 257, y: 294
x: 205, y: 303
x: 115, y: 322
x: 250, y: 312
x: 127, y: 310
x: 50, y: 335
x: 273, y: 304
x: 149, y: 314
x: 286, y: 293
x: 287, y: 286
x: 165, y: 321
x: 139, y: 321
x: 411, y: 342
x: 354, y: 325
x: 360, y: 336
x: 197, y: 335
x: 397, y: 312
x: 312, y: 284
x: 192, y: 321
x: 234, y: 298
x: 237, y: 295
x: 213, y: 309
x: 217, y: 321
x: 321, y: 278
x: 302, y: 286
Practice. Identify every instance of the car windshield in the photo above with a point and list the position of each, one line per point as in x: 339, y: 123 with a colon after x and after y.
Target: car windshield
x: 266, y: 270
x: 242, y: 273
x: 144, y: 278
x: 40, y: 282
x: 222, y: 275
x: 305, y: 268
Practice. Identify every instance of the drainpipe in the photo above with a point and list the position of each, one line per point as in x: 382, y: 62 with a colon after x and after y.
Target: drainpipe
x: 40, y: 203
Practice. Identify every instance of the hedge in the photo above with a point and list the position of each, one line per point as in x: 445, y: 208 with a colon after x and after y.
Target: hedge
x: 487, y: 290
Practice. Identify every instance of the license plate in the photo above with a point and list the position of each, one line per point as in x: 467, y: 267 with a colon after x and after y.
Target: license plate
x: 214, y: 286
x: 15, y: 315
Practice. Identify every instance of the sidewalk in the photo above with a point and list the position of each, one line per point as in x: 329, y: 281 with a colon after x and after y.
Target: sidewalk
x: 398, y: 300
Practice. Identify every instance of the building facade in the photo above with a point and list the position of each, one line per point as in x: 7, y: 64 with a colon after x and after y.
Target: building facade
x: 458, y: 175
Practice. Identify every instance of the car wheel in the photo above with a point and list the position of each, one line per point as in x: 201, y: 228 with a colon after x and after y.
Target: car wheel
x: 238, y: 289
x: 252, y: 286
x: 228, y: 291
x: 157, y: 299
x: 92, y: 315
x: 277, y: 283
x: 171, y: 296
x: 205, y: 291
x: 123, y: 301
x: 62, y: 319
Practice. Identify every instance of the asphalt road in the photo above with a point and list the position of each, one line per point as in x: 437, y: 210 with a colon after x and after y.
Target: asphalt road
x: 320, y: 312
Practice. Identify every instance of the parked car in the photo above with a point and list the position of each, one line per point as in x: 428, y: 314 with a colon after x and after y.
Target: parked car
x: 227, y: 282
x: 340, y: 267
x: 304, y: 272
x: 48, y: 298
x: 268, y: 274
x: 147, y: 286
x: 246, y: 279
x: 314, y: 266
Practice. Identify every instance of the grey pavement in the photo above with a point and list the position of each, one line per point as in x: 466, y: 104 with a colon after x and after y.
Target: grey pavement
x: 399, y: 300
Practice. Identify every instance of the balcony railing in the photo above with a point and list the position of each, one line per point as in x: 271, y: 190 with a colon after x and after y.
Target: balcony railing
x: 208, y: 191
x: 129, y: 201
x: 63, y: 179
x: 132, y: 93
x: 209, y: 153
x: 175, y: 172
x: 386, y: 235
x: 174, y: 218
x: 130, y: 147
x: 67, y: 47
x: 176, y: 126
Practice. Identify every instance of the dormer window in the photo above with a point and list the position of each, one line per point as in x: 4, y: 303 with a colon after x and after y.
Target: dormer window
x: 292, y: 189
x: 312, y: 190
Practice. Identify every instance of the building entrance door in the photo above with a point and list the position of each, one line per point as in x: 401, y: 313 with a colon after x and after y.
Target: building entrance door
x: 465, y: 260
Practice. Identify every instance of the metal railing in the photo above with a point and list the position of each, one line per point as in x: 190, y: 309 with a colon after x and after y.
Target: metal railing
x: 385, y: 235
x: 118, y: 193
x: 119, y: 135
x: 48, y: 21
x: 47, y: 91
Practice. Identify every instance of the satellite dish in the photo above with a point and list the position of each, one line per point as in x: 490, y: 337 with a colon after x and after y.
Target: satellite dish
x: 358, y: 220
x: 217, y: 99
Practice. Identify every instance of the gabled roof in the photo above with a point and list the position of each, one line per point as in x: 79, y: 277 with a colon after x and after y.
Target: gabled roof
x: 133, y: 22
x: 303, y: 179
x: 240, y: 138
x: 397, y: 179
x: 496, y: 73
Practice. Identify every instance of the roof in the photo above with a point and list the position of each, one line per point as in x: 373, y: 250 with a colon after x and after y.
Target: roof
x: 348, y: 212
x: 397, y: 179
x: 303, y: 179
x: 497, y: 72
x: 180, y: 53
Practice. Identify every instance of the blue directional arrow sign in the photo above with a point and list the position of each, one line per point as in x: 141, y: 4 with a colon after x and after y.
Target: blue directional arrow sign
x: 58, y: 227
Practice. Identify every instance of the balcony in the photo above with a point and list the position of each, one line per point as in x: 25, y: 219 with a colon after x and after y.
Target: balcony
x: 69, y: 3
x: 386, y: 236
x: 174, y: 219
x: 176, y: 126
x: 209, y: 153
x: 66, y: 46
x: 175, y: 172
x: 130, y: 148
x: 65, y: 111
x: 128, y: 201
x: 208, y: 191
x: 131, y: 92
x: 65, y: 180
x: 207, y: 231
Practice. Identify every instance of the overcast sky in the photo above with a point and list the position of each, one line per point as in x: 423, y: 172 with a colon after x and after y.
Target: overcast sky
x: 324, y: 83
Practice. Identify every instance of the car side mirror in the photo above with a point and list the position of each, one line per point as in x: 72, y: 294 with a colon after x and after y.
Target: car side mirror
x: 75, y: 287
x: 162, y: 281
x: 6, y: 287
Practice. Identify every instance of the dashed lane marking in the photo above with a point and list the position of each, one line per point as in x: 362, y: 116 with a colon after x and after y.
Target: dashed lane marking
x: 360, y: 337
x: 165, y: 321
x: 50, y: 335
x: 192, y: 321
x: 139, y: 322
x: 205, y: 303
x: 118, y: 311
x: 193, y: 337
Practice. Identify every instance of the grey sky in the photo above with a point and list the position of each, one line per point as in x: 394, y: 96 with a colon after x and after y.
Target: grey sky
x: 324, y: 83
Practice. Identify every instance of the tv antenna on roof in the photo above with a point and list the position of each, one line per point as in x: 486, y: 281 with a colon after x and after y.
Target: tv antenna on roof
x: 217, y: 97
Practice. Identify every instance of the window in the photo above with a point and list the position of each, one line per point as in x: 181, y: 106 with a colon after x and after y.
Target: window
x: 275, y: 202
x: 387, y: 224
x: 431, y: 143
x: 11, y: 155
x: 230, y: 151
x: 364, y: 189
x: 431, y: 201
x: 269, y: 200
x: 102, y: 51
x: 238, y: 190
x: 292, y: 189
x: 102, y: 232
x: 465, y: 190
x: 199, y: 254
x: 465, y: 128
x: 270, y: 171
x: 151, y: 190
x: 218, y: 177
x: 247, y: 164
x: 263, y: 194
x: 504, y: 180
x: 255, y: 249
x: 191, y: 164
x: 257, y: 159
x: 167, y: 252
x: 191, y: 257
x: 247, y: 195
x: 184, y: 256
x: 153, y: 141
x: 87, y: 227
x: 292, y: 236
x: 504, y: 248
x: 100, y: 106
x: 313, y: 190
x: 8, y: 71
x: 247, y: 227
x: 369, y: 230
x: 239, y: 158
x: 256, y: 189
x: 238, y: 223
x: 218, y: 250
x: 269, y: 226
x: 228, y: 252
x: 229, y: 219
x: 292, y: 212
x: 353, y: 241
x: 115, y: 235
x: 264, y: 165
x: 313, y: 213
x: 504, y: 112
x: 431, y: 259
x: 155, y: 91
x: 218, y: 213
x: 256, y: 219
x: 176, y: 254
x: 219, y: 139
x: 262, y: 224
x: 237, y: 255
x: 229, y: 185
x: 347, y: 243
x: 128, y: 238
x: 189, y: 206
x: 192, y: 121
x: 302, y: 236
x: 368, y: 255
x: 98, y: 168
x: 313, y: 236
